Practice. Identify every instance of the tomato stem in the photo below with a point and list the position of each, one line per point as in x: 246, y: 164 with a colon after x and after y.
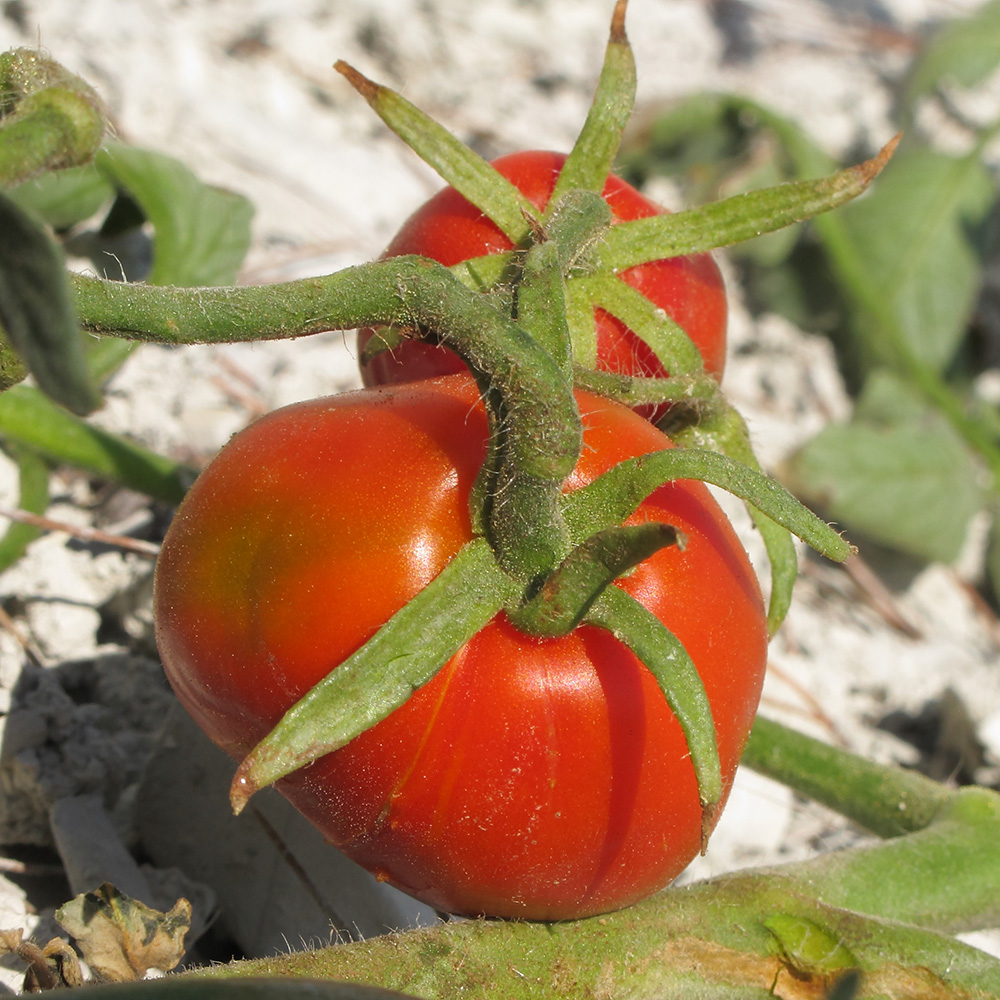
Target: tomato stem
x: 541, y: 303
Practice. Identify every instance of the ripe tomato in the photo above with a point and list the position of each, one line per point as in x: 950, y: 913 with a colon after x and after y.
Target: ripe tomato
x: 450, y: 229
x: 536, y: 778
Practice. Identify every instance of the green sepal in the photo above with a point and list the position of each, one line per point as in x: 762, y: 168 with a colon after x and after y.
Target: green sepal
x: 666, y: 338
x: 735, y: 219
x: 466, y: 171
x: 36, y: 310
x: 726, y: 432
x: 696, y: 391
x: 613, y: 496
x: 568, y: 593
x: 380, y: 676
x: 596, y: 147
x: 668, y: 661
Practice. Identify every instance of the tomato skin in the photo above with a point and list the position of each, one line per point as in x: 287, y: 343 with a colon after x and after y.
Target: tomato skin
x: 543, y: 779
x: 449, y: 229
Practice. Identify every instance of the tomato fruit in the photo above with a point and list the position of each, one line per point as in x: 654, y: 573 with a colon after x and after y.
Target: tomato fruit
x: 449, y: 229
x: 536, y: 778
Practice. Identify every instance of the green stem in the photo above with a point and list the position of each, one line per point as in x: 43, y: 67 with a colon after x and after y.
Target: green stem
x: 529, y: 398
x: 541, y: 303
x: 727, y: 938
x: 888, y: 801
x: 730, y: 938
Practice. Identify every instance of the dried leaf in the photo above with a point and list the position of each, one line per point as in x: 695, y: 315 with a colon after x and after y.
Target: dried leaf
x: 121, y: 938
x: 52, y: 966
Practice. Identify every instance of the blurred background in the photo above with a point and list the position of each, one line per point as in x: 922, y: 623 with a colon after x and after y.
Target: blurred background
x: 863, y: 350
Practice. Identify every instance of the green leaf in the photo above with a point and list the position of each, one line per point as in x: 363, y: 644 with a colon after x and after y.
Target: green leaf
x: 966, y: 51
x: 64, y: 198
x: 30, y: 419
x: 913, y: 242
x: 36, y: 310
x: 201, y: 233
x: 896, y: 473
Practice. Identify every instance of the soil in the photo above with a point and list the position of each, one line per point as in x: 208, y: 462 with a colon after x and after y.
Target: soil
x: 93, y: 783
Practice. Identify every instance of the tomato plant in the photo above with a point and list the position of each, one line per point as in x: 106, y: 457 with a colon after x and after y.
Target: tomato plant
x: 541, y: 778
x: 449, y: 229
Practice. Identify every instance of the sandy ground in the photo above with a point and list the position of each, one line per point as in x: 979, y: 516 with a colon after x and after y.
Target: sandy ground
x: 244, y: 93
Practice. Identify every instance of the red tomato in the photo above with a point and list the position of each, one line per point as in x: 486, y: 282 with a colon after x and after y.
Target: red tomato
x: 450, y: 229
x: 536, y: 778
